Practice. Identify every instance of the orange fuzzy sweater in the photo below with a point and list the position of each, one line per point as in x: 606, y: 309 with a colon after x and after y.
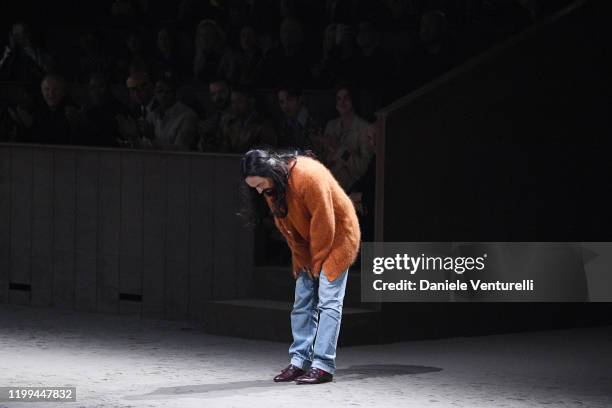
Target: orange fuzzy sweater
x: 321, y: 226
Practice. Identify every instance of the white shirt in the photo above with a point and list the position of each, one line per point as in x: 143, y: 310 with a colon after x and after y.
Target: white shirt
x: 350, y: 160
x: 176, y: 128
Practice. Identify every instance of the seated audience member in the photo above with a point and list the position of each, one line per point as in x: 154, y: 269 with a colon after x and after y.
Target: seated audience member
x: 142, y: 103
x: 268, y: 43
x: 213, y: 58
x: 375, y: 68
x: 209, y: 129
x: 245, y: 128
x: 54, y: 120
x: 347, y: 153
x: 435, y: 54
x: 250, y: 57
x: 92, y: 56
x: 23, y: 60
x: 98, y: 125
x: 299, y: 128
x: 339, y: 59
x: 168, y: 60
x: 142, y: 96
x: 290, y: 61
x: 171, y: 125
x: 135, y: 56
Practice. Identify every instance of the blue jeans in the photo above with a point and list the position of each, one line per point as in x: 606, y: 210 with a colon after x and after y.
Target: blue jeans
x: 315, y: 321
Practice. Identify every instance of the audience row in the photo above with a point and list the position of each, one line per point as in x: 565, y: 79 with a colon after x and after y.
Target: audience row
x: 372, y: 44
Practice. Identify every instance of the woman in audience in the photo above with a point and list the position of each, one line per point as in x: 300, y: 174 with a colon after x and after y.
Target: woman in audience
x: 213, y: 58
x: 345, y: 141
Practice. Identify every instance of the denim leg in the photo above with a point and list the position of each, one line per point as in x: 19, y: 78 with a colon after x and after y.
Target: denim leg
x: 304, y: 317
x: 331, y: 296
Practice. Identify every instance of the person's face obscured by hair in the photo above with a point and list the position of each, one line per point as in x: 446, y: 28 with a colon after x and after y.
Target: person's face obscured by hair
x: 165, y: 94
x: 261, y: 184
x: 242, y: 104
x: 207, y: 38
x: 164, y: 42
x: 289, y: 104
x: 219, y: 94
x: 344, y: 102
x: 98, y: 91
x: 53, y: 91
x: 248, y: 39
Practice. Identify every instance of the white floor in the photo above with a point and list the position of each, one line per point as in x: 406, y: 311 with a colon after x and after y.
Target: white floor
x: 125, y: 361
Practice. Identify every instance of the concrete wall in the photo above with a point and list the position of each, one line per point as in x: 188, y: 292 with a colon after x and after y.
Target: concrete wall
x: 121, y: 231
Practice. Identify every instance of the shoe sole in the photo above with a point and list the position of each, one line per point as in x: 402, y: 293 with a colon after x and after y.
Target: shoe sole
x: 312, y: 383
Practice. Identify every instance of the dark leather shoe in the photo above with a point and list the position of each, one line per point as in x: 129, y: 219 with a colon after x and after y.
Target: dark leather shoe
x: 289, y: 373
x: 314, y: 376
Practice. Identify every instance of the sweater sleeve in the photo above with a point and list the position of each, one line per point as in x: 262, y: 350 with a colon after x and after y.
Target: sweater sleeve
x: 319, y: 202
x: 298, y: 251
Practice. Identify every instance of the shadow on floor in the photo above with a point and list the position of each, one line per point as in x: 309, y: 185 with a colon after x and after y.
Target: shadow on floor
x: 352, y: 373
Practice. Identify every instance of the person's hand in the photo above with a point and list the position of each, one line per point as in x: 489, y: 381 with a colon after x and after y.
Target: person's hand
x: 335, y: 155
x: 310, y: 273
x: 146, y: 129
x: 316, y: 136
x: 332, y: 145
x: 30, y: 52
x: 317, y: 139
x: 11, y: 42
x: 206, y: 126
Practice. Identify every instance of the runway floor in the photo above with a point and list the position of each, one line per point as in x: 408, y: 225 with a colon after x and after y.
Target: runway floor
x: 126, y: 361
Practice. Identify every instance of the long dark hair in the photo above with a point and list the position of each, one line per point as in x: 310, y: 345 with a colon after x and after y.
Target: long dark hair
x: 274, y: 166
